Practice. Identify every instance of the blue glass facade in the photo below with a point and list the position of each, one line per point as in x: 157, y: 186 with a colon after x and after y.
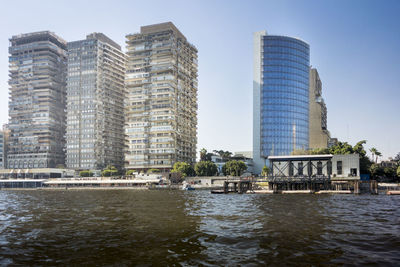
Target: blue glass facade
x: 284, y: 95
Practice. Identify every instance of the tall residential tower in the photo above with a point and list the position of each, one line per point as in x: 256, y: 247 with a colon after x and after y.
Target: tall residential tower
x: 161, y: 103
x: 95, y: 111
x: 37, y: 65
x: 280, y: 96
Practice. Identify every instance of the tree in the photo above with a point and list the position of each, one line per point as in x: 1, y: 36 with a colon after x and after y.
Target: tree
x: 203, y: 153
x: 376, y: 170
x: 235, y: 167
x: 204, y: 156
x: 359, y: 148
x: 185, y: 169
x: 109, y: 171
x: 398, y: 171
x: 389, y: 172
x: 85, y: 174
x: 320, y: 151
x: 373, y: 150
x: 205, y: 168
x: 153, y: 171
x: 397, y: 157
x: 341, y: 148
x: 265, y: 171
x: 375, y: 153
x: 365, y: 162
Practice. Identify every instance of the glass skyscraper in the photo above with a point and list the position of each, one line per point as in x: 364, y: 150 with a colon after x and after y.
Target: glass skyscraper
x: 280, y: 96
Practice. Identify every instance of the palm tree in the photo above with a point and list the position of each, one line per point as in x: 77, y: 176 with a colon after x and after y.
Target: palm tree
x: 203, y: 154
x: 376, y: 153
x: 373, y: 150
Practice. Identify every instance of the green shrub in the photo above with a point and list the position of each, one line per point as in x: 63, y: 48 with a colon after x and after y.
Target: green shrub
x: 85, y: 174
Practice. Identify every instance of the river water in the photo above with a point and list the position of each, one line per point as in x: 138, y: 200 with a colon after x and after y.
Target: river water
x: 129, y: 227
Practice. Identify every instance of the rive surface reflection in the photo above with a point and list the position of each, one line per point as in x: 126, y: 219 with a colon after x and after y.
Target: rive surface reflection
x: 125, y: 227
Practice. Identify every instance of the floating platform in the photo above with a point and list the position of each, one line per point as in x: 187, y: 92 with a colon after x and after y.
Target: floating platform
x: 262, y: 191
x: 334, y: 192
x: 393, y: 192
x: 297, y: 192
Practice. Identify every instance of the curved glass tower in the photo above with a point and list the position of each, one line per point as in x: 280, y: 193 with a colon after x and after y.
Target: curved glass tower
x: 281, y: 96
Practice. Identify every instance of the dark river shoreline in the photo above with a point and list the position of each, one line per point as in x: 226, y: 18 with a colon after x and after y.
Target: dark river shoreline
x: 160, y: 228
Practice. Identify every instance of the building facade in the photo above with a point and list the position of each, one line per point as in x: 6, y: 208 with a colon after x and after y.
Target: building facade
x: 161, y: 102
x: 95, y: 111
x: 337, y: 167
x: 280, y: 96
x: 318, y: 129
x: 3, y: 160
x: 37, y: 69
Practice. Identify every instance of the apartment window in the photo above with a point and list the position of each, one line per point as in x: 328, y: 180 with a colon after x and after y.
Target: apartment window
x: 339, y: 166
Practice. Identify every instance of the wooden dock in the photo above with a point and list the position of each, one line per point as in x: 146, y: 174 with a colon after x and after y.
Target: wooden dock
x: 234, y: 186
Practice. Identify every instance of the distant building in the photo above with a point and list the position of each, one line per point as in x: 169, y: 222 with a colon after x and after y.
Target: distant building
x: 389, y: 163
x: 247, y: 154
x: 318, y: 130
x: 332, y: 142
x: 219, y: 162
x: 37, y: 69
x: 95, y: 111
x: 239, y: 156
x: 161, y: 102
x: 280, y: 96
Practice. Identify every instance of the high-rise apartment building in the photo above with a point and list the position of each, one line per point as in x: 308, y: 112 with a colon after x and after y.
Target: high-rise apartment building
x: 280, y: 96
x: 2, y: 151
x: 161, y: 103
x: 4, y: 140
x: 95, y: 110
x: 37, y: 69
x: 319, y: 135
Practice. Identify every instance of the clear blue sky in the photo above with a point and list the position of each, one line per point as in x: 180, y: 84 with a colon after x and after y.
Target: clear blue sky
x: 354, y: 45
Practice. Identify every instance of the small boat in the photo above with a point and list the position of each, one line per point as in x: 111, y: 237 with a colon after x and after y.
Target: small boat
x: 186, y: 186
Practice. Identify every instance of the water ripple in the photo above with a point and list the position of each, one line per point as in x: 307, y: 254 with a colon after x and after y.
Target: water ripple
x: 196, y: 228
